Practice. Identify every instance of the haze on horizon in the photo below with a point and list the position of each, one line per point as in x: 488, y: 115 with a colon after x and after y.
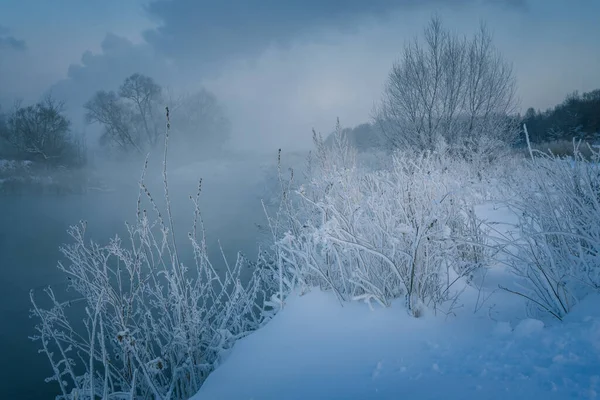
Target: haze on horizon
x: 279, y: 68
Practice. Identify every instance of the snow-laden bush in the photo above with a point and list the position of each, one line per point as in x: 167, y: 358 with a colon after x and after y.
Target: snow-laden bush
x: 377, y: 235
x: 558, y: 252
x: 153, y: 328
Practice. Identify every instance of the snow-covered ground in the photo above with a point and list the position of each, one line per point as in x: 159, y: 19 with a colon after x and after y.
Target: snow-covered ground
x: 317, y: 349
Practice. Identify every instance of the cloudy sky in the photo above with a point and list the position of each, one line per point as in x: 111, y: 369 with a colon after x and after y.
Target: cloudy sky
x: 279, y: 67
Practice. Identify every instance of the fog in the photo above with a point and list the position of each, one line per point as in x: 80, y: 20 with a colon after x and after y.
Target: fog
x: 277, y: 70
x: 32, y: 227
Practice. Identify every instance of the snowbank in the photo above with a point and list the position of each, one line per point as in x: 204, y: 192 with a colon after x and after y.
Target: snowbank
x: 317, y: 349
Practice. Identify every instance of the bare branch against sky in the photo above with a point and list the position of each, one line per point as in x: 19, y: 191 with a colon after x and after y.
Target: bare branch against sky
x: 299, y: 63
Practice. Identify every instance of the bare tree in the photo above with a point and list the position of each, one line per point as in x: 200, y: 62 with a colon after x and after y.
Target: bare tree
x: 447, y: 88
x: 41, y: 132
x: 200, y: 123
x: 146, y: 97
x: 132, y: 117
x: 107, y: 109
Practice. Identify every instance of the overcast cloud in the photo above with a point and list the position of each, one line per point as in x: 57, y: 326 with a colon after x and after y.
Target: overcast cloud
x: 282, y: 67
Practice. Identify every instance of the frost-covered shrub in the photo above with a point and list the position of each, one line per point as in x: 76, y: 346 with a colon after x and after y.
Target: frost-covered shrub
x: 153, y: 328
x: 558, y: 253
x: 377, y: 235
x: 475, y: 249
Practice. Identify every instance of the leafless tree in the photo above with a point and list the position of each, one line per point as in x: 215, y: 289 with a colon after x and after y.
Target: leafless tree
x: 107, y: 109
x: 132, y: 117
x: 146, y: 96
x: 200, y: 121
x: 448, y: 89
x: 41, y: 132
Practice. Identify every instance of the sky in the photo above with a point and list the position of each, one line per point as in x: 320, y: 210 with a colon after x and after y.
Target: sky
x: 280, y: 68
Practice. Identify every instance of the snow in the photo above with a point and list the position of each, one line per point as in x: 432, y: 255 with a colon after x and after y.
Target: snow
x: 488, y: 348
x: 316, y: 349
x: 529, y: 327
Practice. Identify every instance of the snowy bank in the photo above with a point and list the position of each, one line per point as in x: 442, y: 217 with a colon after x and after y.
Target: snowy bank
x: 316, y: 349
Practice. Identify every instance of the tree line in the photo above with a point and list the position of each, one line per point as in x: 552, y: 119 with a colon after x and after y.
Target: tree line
x: 578, y: 116
x: 457, y: 93
x: 131, y: 119
x: 447, y: 91
x: 41, y: 133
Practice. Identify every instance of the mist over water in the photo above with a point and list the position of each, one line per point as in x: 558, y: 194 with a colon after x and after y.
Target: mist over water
x: 31, y: 230
x: 33, y: 227
x: 241, y: 80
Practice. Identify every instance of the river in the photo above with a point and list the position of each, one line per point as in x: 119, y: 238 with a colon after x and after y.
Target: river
x: 33, y: 227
